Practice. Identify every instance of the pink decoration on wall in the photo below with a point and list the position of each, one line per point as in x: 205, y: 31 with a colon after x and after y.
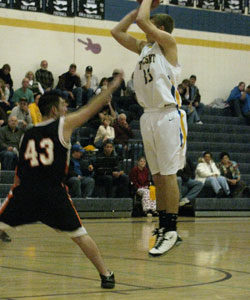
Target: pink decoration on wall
x: 95, y: 48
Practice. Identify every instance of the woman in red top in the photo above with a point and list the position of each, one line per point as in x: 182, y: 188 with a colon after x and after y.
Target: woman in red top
x: 139, y: 177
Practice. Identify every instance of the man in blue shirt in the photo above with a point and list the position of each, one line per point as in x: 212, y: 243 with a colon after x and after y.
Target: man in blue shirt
x: 80, y: 173
x: 246, y: 105
x: 234, y: 99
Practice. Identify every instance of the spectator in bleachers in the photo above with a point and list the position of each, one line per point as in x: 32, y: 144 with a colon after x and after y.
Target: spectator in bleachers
x: 89, y: 84
x: 194, y: 95
x: 21, y: 112
x: 108, y: 172
x: 4, y: 96
x: 116, y: 96
x: 192, y: 115
x: 45, y: 77
x: 208, y: 173
x: 80, y: 176
x: 246, y: 104
x: 123, y: 133
x: 189, y: 187
x: 140, y: 180
x: 69, y: 86
x: 131, y: 103
x: 102, y: 85
x: 230, y: 170
x: 23, y: 92
x: 104, y: 132
x: 3, y: 117
x: 10, y: 136
x: 34, y: 110
x: 34, y: 85
x: 235, y: 99
x: 6, y: 77
x: 108, y: 110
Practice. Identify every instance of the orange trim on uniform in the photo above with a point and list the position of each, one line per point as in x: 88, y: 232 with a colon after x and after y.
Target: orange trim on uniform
x: 71, y: 202
x: 7, y: 199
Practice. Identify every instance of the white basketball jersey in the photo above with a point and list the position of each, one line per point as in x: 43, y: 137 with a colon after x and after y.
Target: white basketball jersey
x: 155, y: 79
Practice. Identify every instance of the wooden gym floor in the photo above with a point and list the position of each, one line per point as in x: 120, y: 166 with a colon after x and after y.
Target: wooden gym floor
x: 213, y: 262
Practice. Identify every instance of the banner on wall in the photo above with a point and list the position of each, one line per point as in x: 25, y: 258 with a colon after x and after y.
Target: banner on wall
x: 62, y: 8
x: 189, y: 3
x: 93, y: 9
x: 235, y: 6
x: 209, y: 4
x: 28, y: 5
x: 4, y: 3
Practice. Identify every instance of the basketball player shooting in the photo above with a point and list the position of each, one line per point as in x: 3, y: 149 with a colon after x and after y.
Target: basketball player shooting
x: 163, y: 124
x: 38, y: 193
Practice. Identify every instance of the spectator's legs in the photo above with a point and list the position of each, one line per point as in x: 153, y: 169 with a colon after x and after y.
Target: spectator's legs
x: 213, y: 182
x: 179, y: 182
x: 223, y: 183
x: 194, y: 188
x: 235, y: 107
x: 122, y: 186
x: 147, y: 203
x: 75, y: 187
x: 8, y: 160
x: 107, y: 182
x: 77, y: 92
x: 200, y: 108
x: 88, y: 185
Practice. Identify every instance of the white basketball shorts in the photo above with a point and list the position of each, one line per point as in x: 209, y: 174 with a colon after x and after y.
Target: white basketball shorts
x: 164, y: 134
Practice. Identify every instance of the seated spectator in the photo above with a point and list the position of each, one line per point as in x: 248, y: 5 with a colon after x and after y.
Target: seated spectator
x: 230, y: 170
x: 102, y: 85
x: 3, y: 117
x: 80, y: 176
x: 105, y: 132
x: 194, y: 95
x: 207, y: 172
x: 45, y: 77
x: 139, y: 178
x: 4, y: 96
x: 192, y: 115
x: 69, y: 86
x: 6, y: 77
x: 246, y: 104
x: 235, y: 98
x: 34, y: 110
x: 89, y: 84
x: 123, y: 133
x: 130, y: 102
x: 108, y: 172
x: 23, y: 92
x: 4, y: 236
x: 34, y: 85
x: 10, y: 136
x: 119, y: 92
x: 108, y: 110
x: 188, y: 187
x: 21, y: 112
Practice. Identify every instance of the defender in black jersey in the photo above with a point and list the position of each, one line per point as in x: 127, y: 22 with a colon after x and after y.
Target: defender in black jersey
x: 38, y: 193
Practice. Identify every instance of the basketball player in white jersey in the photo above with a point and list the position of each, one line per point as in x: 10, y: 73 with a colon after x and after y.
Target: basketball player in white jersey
x: 163, y: 124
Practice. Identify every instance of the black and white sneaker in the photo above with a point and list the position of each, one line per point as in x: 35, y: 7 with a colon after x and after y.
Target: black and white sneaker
x: 165, y: 240
x: 108, y: 282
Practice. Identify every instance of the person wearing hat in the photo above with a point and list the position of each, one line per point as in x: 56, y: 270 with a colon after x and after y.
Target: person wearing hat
x: 80, y: 180
x: 89, y: 84
x: 21, y: 111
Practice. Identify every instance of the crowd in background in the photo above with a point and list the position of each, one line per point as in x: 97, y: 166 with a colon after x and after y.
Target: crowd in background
x: 113, y: 140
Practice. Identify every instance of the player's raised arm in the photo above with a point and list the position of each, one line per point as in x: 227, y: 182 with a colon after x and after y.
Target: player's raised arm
x: 81, y: 116
x: 159, y: 33
x: 119, y: 32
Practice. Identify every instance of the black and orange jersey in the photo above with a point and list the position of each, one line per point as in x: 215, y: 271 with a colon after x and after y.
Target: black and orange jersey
x: 44, y: 155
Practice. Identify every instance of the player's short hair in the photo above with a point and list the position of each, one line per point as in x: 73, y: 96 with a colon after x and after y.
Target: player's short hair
x: 47, y: 101
x: 164, y: 20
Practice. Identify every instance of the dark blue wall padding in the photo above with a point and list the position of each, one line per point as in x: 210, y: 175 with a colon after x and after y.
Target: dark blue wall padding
x: 187, y: 18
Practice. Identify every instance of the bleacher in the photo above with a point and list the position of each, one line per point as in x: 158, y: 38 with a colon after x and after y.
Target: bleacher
x: 220, y: 132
